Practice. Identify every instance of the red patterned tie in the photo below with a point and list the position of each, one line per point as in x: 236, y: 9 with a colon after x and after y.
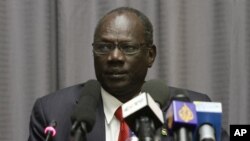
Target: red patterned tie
x: 124, y: 130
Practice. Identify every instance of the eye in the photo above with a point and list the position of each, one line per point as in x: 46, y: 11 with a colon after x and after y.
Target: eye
x: 103, y: 47
x: 129, y: 48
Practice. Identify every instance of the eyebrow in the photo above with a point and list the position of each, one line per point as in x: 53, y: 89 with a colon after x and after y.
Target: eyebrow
x: 112, y: 40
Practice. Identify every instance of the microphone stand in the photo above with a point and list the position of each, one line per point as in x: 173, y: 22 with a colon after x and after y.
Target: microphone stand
x: 48, y: 137
x: 145, y: 128
x: 78, y: 132
x: 183, y: 134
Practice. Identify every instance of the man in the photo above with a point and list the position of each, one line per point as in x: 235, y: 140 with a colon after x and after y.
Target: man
x: 123, y: 51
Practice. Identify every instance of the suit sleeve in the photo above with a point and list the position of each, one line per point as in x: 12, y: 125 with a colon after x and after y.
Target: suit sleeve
x: 37, y: 123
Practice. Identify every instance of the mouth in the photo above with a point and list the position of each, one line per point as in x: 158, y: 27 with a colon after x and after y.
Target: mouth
x: 116, y: 74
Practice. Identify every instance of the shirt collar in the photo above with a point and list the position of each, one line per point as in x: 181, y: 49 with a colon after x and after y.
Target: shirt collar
x: 110, y: 104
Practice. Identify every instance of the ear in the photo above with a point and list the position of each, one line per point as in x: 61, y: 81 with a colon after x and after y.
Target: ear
x: 151, y: 55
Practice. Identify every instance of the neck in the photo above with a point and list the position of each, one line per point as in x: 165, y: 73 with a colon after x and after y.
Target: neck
x: 126, y: 97
x: 127, y: 94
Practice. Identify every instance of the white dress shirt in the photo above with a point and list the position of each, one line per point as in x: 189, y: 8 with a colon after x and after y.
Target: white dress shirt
x: 112, y: 124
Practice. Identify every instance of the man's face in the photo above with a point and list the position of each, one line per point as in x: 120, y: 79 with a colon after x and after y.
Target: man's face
x: 119, y: 73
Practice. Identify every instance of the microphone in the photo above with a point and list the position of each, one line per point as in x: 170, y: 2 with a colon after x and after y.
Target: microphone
x: 50, y: 130
x: 158, y: 90
x: 209, y: 121
x: 181, y: 118
x: 84, y: 114
x: 142, y: 114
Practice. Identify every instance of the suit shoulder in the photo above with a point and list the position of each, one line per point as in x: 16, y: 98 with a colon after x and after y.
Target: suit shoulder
x: 67, y: 94
x: 193, y: 95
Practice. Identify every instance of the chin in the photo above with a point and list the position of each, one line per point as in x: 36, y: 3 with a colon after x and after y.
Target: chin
x: 117, y: 87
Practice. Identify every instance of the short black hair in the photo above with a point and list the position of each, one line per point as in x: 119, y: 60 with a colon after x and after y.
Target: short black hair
x: 148, y: 28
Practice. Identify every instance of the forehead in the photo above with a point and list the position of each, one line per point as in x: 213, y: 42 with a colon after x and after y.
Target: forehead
x: 127, y: 26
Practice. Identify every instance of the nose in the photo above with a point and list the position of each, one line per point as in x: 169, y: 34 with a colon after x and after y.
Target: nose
x: 116, y: 55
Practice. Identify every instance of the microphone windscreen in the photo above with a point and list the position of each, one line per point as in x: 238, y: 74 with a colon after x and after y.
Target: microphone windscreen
x: 180, y: 95
x: 158, y: 90
x: 85, y: 110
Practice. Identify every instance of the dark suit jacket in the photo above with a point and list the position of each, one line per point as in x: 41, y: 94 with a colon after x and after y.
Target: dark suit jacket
x: 59, y: 106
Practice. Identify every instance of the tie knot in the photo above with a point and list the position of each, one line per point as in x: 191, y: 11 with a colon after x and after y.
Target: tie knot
x: 118, y: 114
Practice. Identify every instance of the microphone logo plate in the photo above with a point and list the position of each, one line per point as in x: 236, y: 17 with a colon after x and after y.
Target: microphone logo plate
x: 186, y: 113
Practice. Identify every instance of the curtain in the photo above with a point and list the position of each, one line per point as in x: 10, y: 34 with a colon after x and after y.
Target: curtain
x: 45, y: 45
x: 27, y: 62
